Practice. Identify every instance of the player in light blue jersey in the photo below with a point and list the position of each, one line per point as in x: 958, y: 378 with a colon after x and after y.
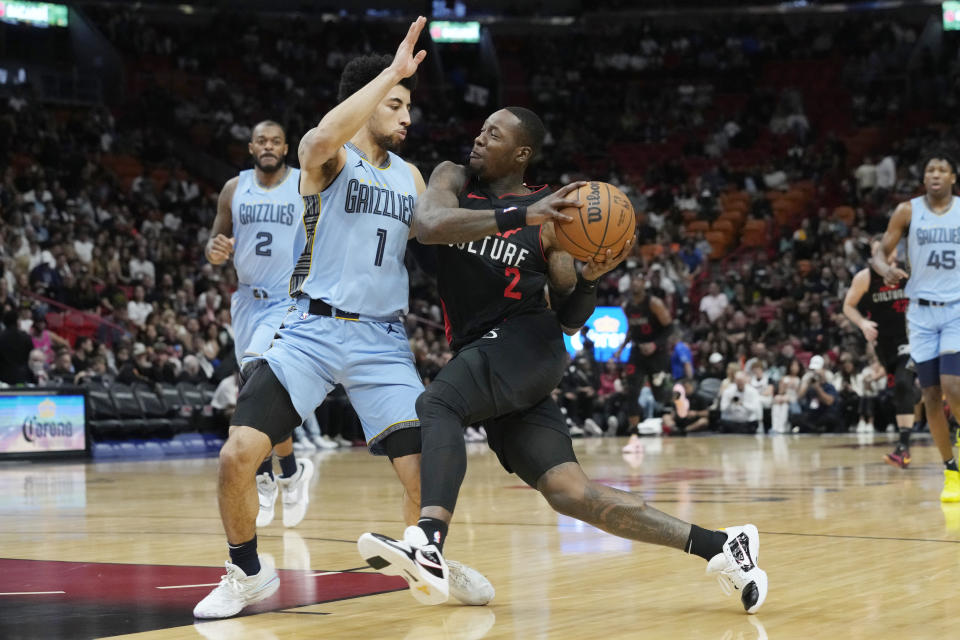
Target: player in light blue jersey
x: 931, y: 225
x: 350, y: 287
x: 258, y: 219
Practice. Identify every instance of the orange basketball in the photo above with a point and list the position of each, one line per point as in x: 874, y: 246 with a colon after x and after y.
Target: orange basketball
x: 604, y: 221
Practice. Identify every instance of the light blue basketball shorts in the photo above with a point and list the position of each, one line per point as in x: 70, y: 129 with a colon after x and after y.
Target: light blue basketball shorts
x: 255, y: 321
x: 933, y: 331
x: 372, y: 360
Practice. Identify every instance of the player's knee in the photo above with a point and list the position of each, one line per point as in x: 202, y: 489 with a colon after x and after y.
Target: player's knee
x: 243, y: 450
x: 434, y: 403
x: 564, y: 493
x: 932, y: 398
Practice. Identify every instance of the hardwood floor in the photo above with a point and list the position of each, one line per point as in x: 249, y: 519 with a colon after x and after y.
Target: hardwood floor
x: 853, y: 548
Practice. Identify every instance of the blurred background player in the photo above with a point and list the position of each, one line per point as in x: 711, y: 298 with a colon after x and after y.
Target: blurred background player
x: 649, y: 361
x: 930, y: 224
x: 258, y: 218
x: 879, y: 310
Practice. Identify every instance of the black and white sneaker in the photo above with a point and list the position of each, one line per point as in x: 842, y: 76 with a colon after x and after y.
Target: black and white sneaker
x: 413, y: 559
x: 736, y: 567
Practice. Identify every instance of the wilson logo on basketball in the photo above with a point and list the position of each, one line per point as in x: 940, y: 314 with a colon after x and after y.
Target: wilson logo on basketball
x: 604, y: 220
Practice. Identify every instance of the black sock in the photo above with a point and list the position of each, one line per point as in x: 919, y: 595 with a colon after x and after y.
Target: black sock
x: 245, y: 556
x: 288, y: 465
x: 904, y: 437
x: 705, y: 543
x: 266, y: 467
x: 436, y: 531
x: 951, y: 464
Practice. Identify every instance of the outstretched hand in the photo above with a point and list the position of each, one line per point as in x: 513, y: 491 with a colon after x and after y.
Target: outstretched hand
x: 405, y: 62
x: 606, y: 261
x: 549, y: 208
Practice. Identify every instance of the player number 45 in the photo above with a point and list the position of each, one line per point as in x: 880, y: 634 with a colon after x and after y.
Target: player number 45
x: 946, y: 259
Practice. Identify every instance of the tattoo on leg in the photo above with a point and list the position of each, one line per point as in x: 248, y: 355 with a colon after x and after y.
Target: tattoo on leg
x: 628, y: 516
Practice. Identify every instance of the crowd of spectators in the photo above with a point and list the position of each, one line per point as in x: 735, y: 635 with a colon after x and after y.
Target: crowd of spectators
x: 769, y: 348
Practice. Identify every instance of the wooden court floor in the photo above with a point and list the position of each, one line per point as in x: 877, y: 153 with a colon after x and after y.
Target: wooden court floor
x: 854, y: 549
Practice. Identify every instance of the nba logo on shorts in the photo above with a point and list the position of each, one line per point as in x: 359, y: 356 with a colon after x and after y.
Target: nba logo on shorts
x: 304, y: 315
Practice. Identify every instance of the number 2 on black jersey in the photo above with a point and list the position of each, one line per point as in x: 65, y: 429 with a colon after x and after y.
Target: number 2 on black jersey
x: 510, y: 292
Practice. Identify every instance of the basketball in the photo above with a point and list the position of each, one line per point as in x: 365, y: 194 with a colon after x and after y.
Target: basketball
x: 604, y: 221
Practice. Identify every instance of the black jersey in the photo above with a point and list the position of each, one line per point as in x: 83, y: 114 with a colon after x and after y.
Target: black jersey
x: 642, y: 321
x: 887, y: 306
x: 486, y: 281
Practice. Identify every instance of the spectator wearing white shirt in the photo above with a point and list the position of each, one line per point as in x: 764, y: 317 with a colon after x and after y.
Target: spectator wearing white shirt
x: 83, y: 245
x: 866, y: 175
x: 887, y: 173
x: 740, y: 406
x: 224, y: 399
x: 141, y: 266
x: 138, y: 309
x: 714, y: 303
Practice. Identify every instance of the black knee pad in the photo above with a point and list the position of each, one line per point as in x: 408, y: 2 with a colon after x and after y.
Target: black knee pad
x: 404, y: 442
x: 905, y: 394
x: 439, y: 397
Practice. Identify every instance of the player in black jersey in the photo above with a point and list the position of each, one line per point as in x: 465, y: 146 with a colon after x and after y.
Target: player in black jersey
x: 648, y: 327
x: 497, y: 250
x: 879, y: 311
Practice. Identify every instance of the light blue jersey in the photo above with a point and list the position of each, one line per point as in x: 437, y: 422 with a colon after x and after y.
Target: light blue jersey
x: 933, y: 317
x: 356, y: 233
x: 267, y: 238
x: 265, y: 224
x: 933, y: 248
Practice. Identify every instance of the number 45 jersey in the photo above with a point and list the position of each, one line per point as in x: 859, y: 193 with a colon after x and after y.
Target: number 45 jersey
x: 355, y: 234
x: 933, y: 246
x: 484, y: 282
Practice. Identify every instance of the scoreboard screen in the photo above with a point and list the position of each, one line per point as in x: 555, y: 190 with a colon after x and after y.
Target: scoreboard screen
x: 39, y: 14
x: 951, y: 16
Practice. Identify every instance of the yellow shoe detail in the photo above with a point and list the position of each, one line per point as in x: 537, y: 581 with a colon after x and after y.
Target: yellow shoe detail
x: 951, y: 486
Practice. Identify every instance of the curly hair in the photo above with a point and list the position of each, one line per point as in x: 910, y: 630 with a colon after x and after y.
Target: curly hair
x: 362, y: 70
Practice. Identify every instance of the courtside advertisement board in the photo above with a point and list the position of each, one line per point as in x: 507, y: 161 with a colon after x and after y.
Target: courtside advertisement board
x: 42, y: 423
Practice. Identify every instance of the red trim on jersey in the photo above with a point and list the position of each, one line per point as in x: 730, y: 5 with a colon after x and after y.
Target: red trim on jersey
x: 540, y: 238
x: 521, y: 195
x: 446, y: 322
x: 475, y: 197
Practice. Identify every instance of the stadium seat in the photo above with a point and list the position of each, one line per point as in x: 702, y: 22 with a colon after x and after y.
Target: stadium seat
x: 129, y: 410
x: 723, y: 225
x: 650, y: 251
x: 155, y: 412
x: 104, y: 422
x: 698, y: 226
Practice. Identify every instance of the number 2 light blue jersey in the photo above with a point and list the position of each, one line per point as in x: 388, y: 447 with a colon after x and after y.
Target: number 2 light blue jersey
x: 265, y: 225
x: 267, y: 239
x: 356, y: 237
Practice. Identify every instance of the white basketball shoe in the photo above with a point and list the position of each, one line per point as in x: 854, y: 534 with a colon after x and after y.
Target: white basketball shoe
x: 267, y: 493
x: 469, y: 586
x: 736, y: 567
x: 295, y: 493
x: 237, y: 590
